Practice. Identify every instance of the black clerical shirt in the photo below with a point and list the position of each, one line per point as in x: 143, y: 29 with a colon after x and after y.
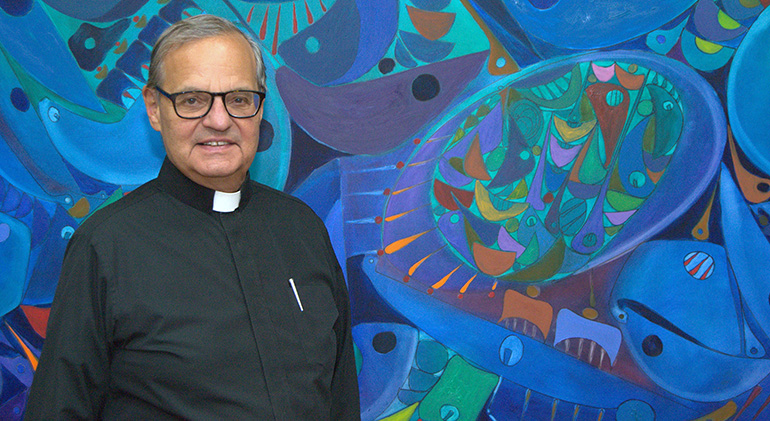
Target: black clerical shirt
x: 167, y: 309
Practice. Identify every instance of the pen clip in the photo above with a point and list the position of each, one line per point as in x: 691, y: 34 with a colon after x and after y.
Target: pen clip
x: 296, y: 294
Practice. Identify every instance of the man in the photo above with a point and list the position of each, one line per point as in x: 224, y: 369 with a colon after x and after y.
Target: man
x: 201, y: 294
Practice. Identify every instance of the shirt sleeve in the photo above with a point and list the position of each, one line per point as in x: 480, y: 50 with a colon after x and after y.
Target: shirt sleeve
x: 344, y: 389
x: 72, y: 376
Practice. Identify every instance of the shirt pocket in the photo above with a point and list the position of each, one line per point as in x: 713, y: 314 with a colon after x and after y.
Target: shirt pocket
x: 315, y: 319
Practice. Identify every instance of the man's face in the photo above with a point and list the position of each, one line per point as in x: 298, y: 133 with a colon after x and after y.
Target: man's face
x: 216, y: 150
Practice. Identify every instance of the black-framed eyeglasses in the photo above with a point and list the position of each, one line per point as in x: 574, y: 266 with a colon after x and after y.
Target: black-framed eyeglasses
x: 196, y: 104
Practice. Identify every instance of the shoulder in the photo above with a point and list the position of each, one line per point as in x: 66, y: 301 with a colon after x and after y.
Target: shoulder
x: 115, y: 214
x: 280, y: 204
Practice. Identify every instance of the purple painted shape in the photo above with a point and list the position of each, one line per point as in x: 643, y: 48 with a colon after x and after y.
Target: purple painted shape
x: 570, y: 325
x: 705, y: 19
x: 451, y: 175
x: 562, y: 156
x: 373, y: 117
x: 490, y: 130
x: 454, y: 233
x: 507, y: 243
x: 534, y: 197
x: 617, y: 218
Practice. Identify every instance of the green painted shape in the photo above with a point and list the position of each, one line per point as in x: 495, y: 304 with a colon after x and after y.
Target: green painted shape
x: 462, y: 389
x: 592, y: 170
x: 457, y: 164
x: 531, y: 253
x: 669, y: 120
x: 359, y: 358
x: 494, y: 160
x: 623, y: 202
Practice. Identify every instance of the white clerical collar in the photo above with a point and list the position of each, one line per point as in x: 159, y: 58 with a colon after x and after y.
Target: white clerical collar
x: 226, y: 202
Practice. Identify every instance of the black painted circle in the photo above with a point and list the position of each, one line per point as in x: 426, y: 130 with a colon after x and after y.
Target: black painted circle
x: 763, y: 187
x: 425, y: 87
x: 652, y: 346
x: 384, y: 342
x: 386, y: 65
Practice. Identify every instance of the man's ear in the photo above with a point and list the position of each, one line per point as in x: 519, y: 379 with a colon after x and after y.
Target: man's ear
x: 152, y: 106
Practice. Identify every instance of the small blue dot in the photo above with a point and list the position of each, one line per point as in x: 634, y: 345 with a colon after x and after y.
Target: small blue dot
x: 20, y: 368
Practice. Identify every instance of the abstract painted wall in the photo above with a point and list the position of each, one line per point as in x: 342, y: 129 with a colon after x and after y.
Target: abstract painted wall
x: 545, y: 209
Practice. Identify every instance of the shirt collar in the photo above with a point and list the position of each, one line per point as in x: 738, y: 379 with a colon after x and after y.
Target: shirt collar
x: 173, y: 182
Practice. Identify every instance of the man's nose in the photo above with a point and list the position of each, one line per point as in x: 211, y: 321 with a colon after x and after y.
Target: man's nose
x: 217, y: 116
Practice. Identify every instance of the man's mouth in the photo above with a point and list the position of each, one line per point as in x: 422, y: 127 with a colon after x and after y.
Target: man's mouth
x: 215, y: 143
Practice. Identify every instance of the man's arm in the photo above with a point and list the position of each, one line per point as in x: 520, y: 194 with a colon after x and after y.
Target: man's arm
x: 72, y: 377
x: 345, y: 398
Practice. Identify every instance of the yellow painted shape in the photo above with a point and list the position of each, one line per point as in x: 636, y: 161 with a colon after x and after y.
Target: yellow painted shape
x: 707, y: 47
x: 402, y: 415
x: 570, y: 134
x: 521, y: 191
x: 443, y: 280
x: 399, y: 244
x: 721, y: 414
x: 488, y: 211
x: 726, y: 21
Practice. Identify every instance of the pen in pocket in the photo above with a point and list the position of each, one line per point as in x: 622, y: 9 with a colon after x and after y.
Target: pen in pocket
x: 296, y: 295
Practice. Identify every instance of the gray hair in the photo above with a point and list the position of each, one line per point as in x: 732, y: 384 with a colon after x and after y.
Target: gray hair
x: 193, y: 29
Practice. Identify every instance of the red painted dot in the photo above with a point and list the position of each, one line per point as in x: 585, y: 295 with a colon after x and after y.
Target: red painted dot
x: 400, y: 165
x: 386, y: 192
x: 99, y: 68
x: 548, y: 198
x: 491, y: 294
x: 117, y: 43
x: 459, y: 296
x: 380, y: 252
x: 430, y: 291
x: 136, y: 18
x: 378, y: 220
x: 417, y: 141
x: 406, y: 278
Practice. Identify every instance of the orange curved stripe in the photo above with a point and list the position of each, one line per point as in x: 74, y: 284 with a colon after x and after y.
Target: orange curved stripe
x: 467, y: 284
x: 399, y: 215
x: 416, y: 265
x: 30, y: 356
x: 399, y: 244
x: 443, y: 280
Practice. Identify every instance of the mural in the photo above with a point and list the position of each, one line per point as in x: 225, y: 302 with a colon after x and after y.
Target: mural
x: 545, y: 209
